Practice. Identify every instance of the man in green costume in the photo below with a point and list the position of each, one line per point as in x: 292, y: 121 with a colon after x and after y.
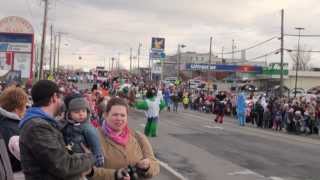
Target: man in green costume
x: 153, y: 104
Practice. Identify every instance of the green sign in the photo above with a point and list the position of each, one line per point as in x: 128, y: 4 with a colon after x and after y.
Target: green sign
x: 275, y: 69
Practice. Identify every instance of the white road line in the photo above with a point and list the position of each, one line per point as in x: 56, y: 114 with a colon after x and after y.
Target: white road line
x: 142, y: 125
x: 171, y: 170
x: 245, y: 172
x: 249, y: 172
x: 275, y: 178
x: 214, y: 127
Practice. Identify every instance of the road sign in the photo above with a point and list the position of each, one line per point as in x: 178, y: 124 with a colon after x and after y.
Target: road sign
x: 157, y: 44
x: 157, y: 55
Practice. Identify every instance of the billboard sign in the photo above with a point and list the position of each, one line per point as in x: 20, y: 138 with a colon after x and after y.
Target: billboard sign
x: 157, y: 44
x: 224, y: 68
x: 274, y: 70
x: 17, y: 43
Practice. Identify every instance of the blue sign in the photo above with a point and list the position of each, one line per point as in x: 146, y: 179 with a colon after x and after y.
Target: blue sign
x: 157, y: 55
x: 224, y: 68
x: 3, y: 47
x: 16, y: 38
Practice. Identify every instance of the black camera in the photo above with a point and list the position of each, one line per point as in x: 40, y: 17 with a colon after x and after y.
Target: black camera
x: 133, y: 172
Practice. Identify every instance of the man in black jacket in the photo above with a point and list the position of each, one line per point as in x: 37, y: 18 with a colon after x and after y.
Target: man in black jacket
x: 43, y: 151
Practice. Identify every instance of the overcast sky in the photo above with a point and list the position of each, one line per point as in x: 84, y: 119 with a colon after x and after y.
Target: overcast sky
x: 100, y: 29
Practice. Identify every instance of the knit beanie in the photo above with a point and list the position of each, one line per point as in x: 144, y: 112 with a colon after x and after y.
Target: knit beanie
x: 75, y: 102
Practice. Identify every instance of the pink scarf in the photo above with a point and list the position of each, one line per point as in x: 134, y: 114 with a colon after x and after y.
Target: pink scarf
x: 121, y: 138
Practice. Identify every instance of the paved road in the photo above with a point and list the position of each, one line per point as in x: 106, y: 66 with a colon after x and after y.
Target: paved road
x: 200, y: 149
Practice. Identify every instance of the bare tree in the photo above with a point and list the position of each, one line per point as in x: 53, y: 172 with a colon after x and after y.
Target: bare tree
x: 304, y: 57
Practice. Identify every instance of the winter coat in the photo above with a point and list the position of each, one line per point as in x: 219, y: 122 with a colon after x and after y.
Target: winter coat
x: 9, y: 126
x: 43, y: 151
x: 138, y: 148
x: 75, y: 134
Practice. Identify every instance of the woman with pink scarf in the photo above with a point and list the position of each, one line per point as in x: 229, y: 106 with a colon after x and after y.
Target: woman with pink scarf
x: 128, y: 154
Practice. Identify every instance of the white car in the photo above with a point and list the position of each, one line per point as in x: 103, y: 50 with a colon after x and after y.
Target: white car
x: 299, y: 92
x: 194, y: 84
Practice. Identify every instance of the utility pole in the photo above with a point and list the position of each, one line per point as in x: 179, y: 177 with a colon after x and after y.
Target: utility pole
x: 43, y: 41
x: 59, y: 43
x: 118, y: 62
x: 210, y: 51
x: 37, y: 75
x: 50, y: 62
x: 210, y: 54
x: 281, y: 53
x: 139, y: 48
x: 178, y: 62
x: 131, y: 60
x: 222, y: 51
x: 233, y: 47
x: 54, y: 52
x: 298, y: 59
x: 150, y: 72
x: 112, y: 59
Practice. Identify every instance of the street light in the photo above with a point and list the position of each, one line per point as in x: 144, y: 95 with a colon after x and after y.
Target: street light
x: 297, y: 61
x: 179, y: 58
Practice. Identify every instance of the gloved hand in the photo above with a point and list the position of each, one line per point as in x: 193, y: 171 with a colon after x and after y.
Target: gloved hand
x: 122, y: 174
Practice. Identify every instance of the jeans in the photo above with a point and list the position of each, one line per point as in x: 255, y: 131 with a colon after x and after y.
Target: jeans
x: 241, y: 118
x: 92, y: 139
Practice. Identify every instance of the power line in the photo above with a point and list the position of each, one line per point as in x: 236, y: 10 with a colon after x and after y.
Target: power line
x: 265, y: 55
x: 306, y: 35
x: 254, y: 46
x: 290, y: 50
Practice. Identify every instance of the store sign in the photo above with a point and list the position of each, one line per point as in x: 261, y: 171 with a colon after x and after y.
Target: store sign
x: 275, y: 69
x: 224, y: 68
x: 16, y: 47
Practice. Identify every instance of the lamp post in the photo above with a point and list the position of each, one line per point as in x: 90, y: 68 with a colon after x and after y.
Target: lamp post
x: 179, y: 59
x: 297, y: 61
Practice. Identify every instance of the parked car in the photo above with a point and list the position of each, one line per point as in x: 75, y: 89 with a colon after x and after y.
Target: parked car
x: 193, y: 84
x: 299, y: 92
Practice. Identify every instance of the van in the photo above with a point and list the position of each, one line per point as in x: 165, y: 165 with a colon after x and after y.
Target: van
x: 171, y: 80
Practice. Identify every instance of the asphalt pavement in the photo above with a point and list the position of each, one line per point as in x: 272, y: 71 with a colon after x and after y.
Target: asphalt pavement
x: 197, y: 148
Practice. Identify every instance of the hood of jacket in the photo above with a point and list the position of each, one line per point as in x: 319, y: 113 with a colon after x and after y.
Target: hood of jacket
x: 9, y: 115
x: 36, y: 112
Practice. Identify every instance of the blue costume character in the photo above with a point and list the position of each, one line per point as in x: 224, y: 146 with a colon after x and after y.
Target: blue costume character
x: 241, y: 109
